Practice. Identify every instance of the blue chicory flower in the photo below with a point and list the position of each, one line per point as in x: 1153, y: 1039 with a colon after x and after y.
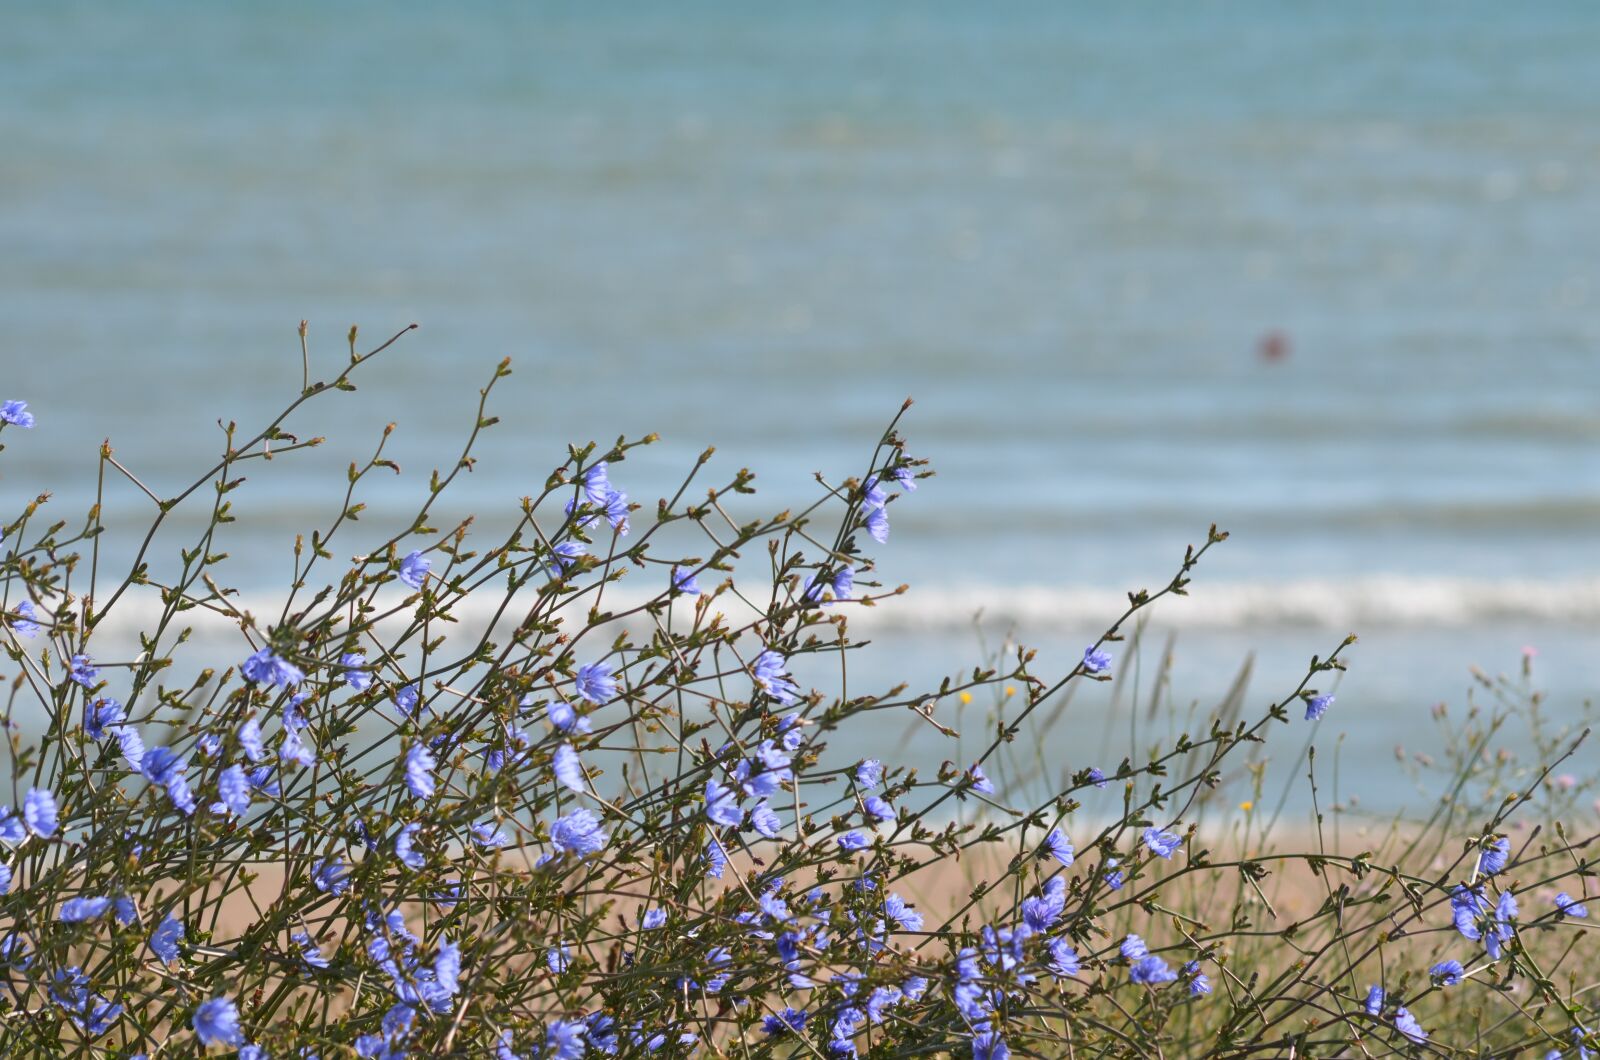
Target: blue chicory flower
x: 447, y: 966
x: 564, y: 1040
x: 1374, y: 1002
x: 1566, y: 905
x: 564, y: 556
x: 790, y: 1019
x: 1162, y: 844
x: 26, y: 623
x: 16, y: 414
x: 165, y: 939
x: 1407, y: 1025
x: 131, y: 745
x: 1058, y: 846
x: 683, y: 582
x: 216, y: 1022
x: 39, y: 812
x: 722, y: 807
x: 1500, y: 929
x: 769, y: 673
x: 564, y: 717
x: 178, y: 790
x: 877, y: 524
x: 83, y: 671
x: 582, y: 520
x: 1064, y: 960
x: 1467, y: 906
x: 880, y: 1001
x: 616, y: 507
x: 330, y: 876
x: 234, y: 787
x: 406, y: 699
x: 294, y: 747
x: 1152, y: 970
x: 405, y: 847
x: 414, y: 569
x: 356, y: 675
x: 489, y: 835
x: 250, y: 742
x: 596, y: 482
x: 91, y: 1013
x: 419, y: 767
x: 308, y: 950
x: 1199, y: 982
x: 904, y: 917
x: 78, y: 910
x: 1041, y: 912
x: 766, y: 820
x: 266, y: 667
x: 869, y: 773
x: 568, y: 769
x: 716, y: 858
x: 1493, y: 858
x: 578, y: 832
x: 595, y: 683
x: 102, y: 715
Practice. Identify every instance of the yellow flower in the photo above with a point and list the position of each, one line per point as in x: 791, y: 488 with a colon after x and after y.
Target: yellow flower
x: 966, y: 697
x: 1247, y: 806
x: 1010, y: 691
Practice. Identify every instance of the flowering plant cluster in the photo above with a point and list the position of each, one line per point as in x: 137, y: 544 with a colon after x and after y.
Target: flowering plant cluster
x: 612, y: 813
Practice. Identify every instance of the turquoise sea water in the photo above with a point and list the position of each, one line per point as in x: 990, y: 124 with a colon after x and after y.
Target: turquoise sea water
x: 1063, y: 231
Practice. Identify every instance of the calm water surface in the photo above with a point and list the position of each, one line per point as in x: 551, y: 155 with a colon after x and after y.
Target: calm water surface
x: 1063, y: 231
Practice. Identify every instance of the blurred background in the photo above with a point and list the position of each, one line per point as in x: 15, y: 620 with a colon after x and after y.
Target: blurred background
x: 1326, y: 277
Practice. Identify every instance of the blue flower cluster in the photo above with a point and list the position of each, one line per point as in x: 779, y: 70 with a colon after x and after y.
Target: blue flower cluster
x: 615, y: 826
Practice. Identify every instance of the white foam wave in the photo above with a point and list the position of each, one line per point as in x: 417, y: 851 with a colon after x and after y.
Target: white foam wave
x: 1355, y: 604
x: 1346, y: 604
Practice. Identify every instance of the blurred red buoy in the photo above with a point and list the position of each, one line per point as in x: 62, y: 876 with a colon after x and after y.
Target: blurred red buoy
x: 1274, y: 346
